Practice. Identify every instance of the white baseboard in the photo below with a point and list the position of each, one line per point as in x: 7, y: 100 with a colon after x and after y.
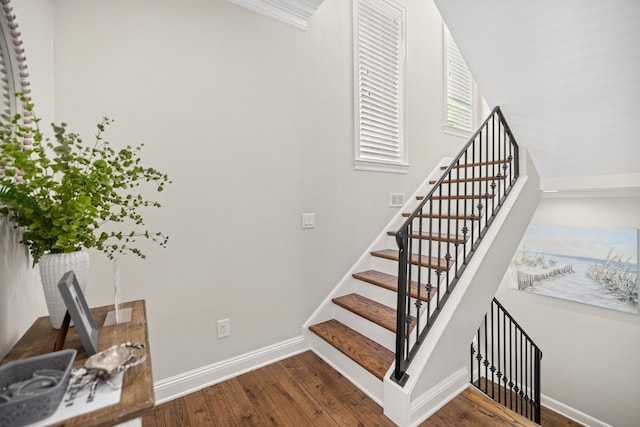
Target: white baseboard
x: 571, y: 413
x: 197, y: 379
x: 436, y: 397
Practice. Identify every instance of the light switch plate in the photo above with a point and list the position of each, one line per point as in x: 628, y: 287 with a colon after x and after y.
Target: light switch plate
x: 308, y: 220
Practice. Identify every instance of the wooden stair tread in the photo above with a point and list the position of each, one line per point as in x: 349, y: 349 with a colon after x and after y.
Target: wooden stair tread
x: 460, y: 197
x: 367, y: 353
x: 434, y: 262
x: 475, y: 164
x: 445, y: 216
x: 390, y: 282
x: 474, y: 179
x: 371, y: 310
x: 435, y: 237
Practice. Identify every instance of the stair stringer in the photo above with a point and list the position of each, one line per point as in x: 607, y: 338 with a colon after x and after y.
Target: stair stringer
x: 434, y: 373
x: 347, y: 284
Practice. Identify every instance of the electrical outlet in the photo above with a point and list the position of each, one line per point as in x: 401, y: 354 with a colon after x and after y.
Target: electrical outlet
x: 224, y: 328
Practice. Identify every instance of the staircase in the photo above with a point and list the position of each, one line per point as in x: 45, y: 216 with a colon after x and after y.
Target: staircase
x: 414, y: 265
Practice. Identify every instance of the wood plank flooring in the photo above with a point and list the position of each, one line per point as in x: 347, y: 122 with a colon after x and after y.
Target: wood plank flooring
x: 303, y: 390
x: 472, y: 408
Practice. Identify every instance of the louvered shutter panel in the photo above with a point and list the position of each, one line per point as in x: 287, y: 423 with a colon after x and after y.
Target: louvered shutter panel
x: 459, y: 108
x: 379, y: 80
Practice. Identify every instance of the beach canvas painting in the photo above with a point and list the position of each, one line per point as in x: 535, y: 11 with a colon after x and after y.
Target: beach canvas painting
x: 596, y: 266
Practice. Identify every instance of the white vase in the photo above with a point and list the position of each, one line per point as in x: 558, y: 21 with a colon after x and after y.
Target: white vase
x: 52, y: 268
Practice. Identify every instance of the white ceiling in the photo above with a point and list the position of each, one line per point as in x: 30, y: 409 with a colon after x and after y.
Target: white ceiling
x: 566, y: 74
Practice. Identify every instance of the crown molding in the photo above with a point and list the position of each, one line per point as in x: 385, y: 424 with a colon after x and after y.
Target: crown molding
x: 292, y: 12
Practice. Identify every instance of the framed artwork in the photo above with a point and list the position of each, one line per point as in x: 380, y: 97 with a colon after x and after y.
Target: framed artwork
x: 79, y: 312
x: 590, y: 265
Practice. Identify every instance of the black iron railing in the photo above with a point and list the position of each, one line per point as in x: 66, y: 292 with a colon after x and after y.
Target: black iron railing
x: 505, y: 363
x: 439, y: 238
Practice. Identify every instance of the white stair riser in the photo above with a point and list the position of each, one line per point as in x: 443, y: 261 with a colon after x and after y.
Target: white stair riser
x: 366, y: 381
x: 384, y: 265
x: 375, y: 292
x: 367, y: 328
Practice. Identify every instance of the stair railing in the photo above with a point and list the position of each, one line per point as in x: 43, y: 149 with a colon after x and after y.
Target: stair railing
x: 439, y: 238
x: 507, y: 363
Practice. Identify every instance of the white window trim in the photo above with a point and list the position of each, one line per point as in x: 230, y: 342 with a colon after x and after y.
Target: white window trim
x: 362, y: 162
x: 452, y: 130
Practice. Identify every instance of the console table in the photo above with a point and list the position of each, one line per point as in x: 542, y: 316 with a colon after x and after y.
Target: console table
x: 137, y: 387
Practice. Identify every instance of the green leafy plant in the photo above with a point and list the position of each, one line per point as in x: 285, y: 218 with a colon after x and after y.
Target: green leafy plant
x: 62, y: 193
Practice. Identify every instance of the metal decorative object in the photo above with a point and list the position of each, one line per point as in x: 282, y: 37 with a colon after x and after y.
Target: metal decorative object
x: 103, y: 366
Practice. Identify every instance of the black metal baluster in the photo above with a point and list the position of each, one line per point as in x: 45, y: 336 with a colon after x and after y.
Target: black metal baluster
x: 508, y: 164
x: 472, y: 351
x: 493, y: 165
x: 493, y: 368
x: 510, y: 158
x: 531, y: 362
x: 485, y: 177
x: 510, y: 365
x: 429, y: 280
x: 480, y: 167
x: 504, y: 349
x: 418, y: 302
x: 407, y: 292
x: 479, y: 206
x: 506, y: 176
x: 537, y: 384
x: 479, y: 359
x: 486, y: 356
x: 447, y: 255
x: 500, y: 175
x: 473, y: 192
x: 465, y: 229
x: 457, y: 218
x: 519, y: 376
x: 439, y: 244
x: 499, y: 375
x: 521, y: 370
x: 526, y: 380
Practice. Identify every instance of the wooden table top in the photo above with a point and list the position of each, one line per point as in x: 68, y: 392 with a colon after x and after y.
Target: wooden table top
x: 137, y: 388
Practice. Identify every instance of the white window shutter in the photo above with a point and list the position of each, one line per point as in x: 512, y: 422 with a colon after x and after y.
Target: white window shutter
x: 459, y: 88
x: 379, y: 82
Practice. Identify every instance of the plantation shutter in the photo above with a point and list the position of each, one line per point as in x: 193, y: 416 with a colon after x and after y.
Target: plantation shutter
x: 459, y: 108
x: 379, y: 82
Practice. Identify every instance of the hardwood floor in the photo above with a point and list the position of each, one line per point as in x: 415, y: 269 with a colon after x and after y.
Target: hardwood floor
x: 472, y: 408
x: 303, y: 390
x: 500, y: 394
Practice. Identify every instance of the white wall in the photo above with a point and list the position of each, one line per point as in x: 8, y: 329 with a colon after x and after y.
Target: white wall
x: 590, y: 360
x: 21, y: 297
x: 253, y: 121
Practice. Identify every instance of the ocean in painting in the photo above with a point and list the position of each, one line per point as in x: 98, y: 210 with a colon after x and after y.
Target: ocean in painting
x: 608, y: 280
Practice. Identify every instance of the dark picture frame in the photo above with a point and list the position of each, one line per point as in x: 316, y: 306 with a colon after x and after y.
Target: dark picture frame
x: 79, y: 311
